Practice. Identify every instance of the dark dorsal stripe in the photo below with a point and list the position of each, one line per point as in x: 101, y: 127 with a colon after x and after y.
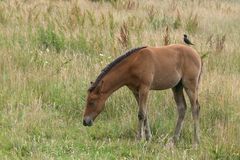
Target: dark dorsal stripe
x: 111, y: 65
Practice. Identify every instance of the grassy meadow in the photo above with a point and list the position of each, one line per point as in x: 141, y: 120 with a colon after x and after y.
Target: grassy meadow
x: 51, y: 49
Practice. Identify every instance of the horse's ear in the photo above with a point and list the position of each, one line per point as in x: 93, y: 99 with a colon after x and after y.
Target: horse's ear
x: 99, y: 87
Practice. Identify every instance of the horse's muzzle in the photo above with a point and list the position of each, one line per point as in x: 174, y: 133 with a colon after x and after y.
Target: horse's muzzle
x: 87, y: 121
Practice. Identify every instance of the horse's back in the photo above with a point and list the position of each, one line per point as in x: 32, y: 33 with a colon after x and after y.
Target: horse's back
x: 176, y: 51
x: 176, y: 55
x: 166, y: 66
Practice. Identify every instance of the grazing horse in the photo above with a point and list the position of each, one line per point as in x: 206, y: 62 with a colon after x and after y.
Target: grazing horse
x: 150, y: 68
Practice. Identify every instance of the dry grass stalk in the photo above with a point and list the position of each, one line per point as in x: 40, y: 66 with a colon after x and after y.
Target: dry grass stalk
x: 166, y: 37
x: 102, y: 21
x: 36, y: 102
x: 177, y: 23
x: 131, y: 5
x: 210, y: 40
x: 178, y: 15
x: 124, y: 35
x: 151, y: 13
x: 192, y: 23
x: 173, y: 5
x: 35, y: 10
x: 74, y: 16
x: 220, y: 43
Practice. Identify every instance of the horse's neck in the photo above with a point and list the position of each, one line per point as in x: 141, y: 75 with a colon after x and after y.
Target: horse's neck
x: 113, y: 81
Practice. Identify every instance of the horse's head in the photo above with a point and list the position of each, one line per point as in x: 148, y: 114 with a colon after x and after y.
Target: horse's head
x: 94, y: 105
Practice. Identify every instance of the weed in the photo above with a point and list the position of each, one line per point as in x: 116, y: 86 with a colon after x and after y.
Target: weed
x: 76, y: 17
x: 123, y: 38
x: 80, y: 44
x: 91, y: 18
x: 111, y: 24
x: 177, y: 22
x: 192, y: 23
x: 49, y: 39
x: 130, y: 5
x: 52, y: 50
x: 221, y: 152
x: 210, y: 40
x: 151, y: 13
x: 166, y: 37
x: 220, y: 43
x: 3, y: 19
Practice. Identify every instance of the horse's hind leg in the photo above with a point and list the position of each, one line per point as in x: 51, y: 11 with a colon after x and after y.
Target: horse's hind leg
x: 191, y: 88
x: 181, y: 108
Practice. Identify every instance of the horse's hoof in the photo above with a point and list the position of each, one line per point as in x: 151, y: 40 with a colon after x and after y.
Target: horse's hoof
x: 139, y: 137
x: 170, y: 144
x: 148, y: 137
x: 195, y: 145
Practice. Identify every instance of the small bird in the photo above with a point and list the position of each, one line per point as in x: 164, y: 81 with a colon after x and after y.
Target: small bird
x: 186, y: 40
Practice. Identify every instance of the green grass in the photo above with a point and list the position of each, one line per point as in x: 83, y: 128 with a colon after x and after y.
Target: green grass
x: 51, y: 50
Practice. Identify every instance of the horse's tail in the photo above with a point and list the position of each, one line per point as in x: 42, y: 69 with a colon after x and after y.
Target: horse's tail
x: 202, y: 57
x: 201, y: 70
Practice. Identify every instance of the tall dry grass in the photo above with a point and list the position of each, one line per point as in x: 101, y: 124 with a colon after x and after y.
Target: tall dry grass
x: 51, y: 50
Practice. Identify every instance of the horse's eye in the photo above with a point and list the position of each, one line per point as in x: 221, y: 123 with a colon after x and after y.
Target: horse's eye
x: 91, y: 104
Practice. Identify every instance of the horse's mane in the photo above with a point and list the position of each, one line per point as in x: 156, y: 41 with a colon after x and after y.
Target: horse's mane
x: 111, y: 65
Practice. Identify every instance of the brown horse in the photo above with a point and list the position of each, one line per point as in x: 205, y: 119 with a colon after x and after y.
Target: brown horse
x: 149, y: 68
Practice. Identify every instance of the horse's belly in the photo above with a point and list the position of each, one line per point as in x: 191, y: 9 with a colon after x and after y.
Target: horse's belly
x: 165, y: 81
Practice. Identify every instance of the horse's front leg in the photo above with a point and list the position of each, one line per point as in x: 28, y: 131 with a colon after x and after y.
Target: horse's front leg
x: 148, y: 134
x: 140, y: 117
x: 142, y: 114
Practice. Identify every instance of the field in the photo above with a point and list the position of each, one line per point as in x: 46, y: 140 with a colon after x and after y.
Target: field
x: 51, y: 49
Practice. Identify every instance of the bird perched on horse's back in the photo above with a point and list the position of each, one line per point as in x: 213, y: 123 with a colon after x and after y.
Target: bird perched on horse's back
x: 186, y: 40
